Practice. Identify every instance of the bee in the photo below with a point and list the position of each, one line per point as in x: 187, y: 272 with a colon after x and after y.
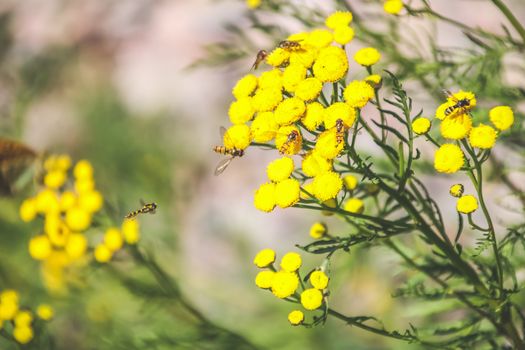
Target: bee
x: 146, y: 208
x: 458, y: 104
x: 339, y: 131
x: 261, y: 56
x: 292, y: 137
x: 230, y: 152
x: 290, y: 45
x: 15, y: 159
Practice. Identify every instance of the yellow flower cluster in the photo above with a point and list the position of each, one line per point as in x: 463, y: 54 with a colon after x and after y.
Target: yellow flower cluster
x: 114, y: 239
x: 20, y: 317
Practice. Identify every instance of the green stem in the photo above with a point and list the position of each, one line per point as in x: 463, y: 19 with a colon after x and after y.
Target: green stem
x: 510, y: 16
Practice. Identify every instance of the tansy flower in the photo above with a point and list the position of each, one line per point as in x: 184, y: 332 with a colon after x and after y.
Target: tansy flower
x: 327, y: 145
x: 313, y: 116
x: 357, y: 93
x: 292, y: 76
x: 354, y: 205
x: 367, y: 56
x: 245, y: 86
x: 456, y: 127
x: 23, y: 334
x: 502, y: 117
x: 296, y: 317
x: 319, y: 38
x: 28, y: 210
x: 263, y: 127
x: 287, y: 193
x: 271, y: 79
x: 448, y: 158
x: 284, y: 284
x: 237, y: 136
x: 327, y: 185
x: 264, y: 279
x: 289, y: 111
x: 318, y: 230
x: 277, y: 57
x: 331, y: 64
x: 55, y: 179
x: 102, y: 253
x: 467, y: 204
x: 374, y: 80
x: 280, y: 169
x: 338, y: 19
x: 308, y: 89
x: 76, y: 246
x: 253, y: 4
x: 343, y: 35
x: 291, y: 262
x: 40, y: 247
x: 421, y: 126
x: 311, y: 299
x: 45, y: 312
x: 482, y: 136
x: 393, y: 6
x: 266, y: 99
x: 304, y: 57
x: 78, y: 219
x: 83, y: 170
x: 284, y: 144
x: 131, y: 231
x: 23, y: 318
x: 339, y: 110
x: 456, y: 190
x: 350, y: 182
x: 319, y: 280
x: 241, y: 111
x: 113, y: 239
x: 264, y: 258
x: 313, y: 164
x: 264, y: 198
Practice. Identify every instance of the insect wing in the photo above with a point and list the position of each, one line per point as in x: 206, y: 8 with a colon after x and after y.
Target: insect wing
x: 450, y: 95
x: 223, y: 164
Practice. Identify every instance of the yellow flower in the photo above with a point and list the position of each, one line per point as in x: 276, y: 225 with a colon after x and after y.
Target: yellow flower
x: 253, y: 4
x: 343, y: 35
x: 318, y: 230
x: 45, y: 312
x: 304, y: 57
x: 292, y: 76
x: 308, y: 89
x: 440, y: 111
x: 23, y: 318
x: 264, y: 279
x: 9, y: 296
x: 23, y: 334
x: 393, y: 6
x: 350, y: 182
x: 131, y: 231
x: 284, y: 284
x: 266, y: 99
x: 456, y: 127
x: 291, y: 262
x: 482, y: 136
x: 327, y: 145
x: 313, y: 116
x: 245, y: 86
x: 448, y: 158
x: 327, y: 185
x: 237, y: 136
x: 463, y: 95
x: 264, y: 127
x: 467, y: 204
x: 102, y: 253
x: 367, y: 56
x: 280, y: 169
x: 83, y: 185
x: 502, y: 117
x: 456, y: 190
x: 113, y: 239
x: 277, y: 57
x: 264, y: 198
x: 264, y: 258
x: 338, y: 19
x: 46, y: 201
x: 287, y: 193
x: 354, y: 205
x: 374, y: 80
x: 289, y: 111
x: 40, y: 247
x: 67, y: 200
x: 78, y: 219
x: 357, y: 93
x: 55, y: 179
x: 91, y: 201
x: 241, y: 111
x: 28, y: 210
x: 331, y: 64
x: 421, y: 126
x: 313, y: 164
x: 283, y: 142
x: 83, y: 170
x: 319, y: 38
x: 296, y: 317
x: 76, y: 245
x: 319, y: 280
x: 339, y: 110
x: 271, y: 79
x: 311, y: 299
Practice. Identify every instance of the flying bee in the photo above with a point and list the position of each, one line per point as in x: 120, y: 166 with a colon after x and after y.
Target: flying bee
x: 339, y: 131
x: 146, y: 208
x: 261, y: 56
x: 461, y: 105
x: 292, y: 137
x: 290, y: 45
x: 230, y: 152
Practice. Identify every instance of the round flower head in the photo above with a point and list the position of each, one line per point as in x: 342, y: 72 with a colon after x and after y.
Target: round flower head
x: 440, y: 111
x: 28, y: 210
x: 284, y: 284
x: 291, y: 262
x: 45, y: 312
x: 318, y: 230
x: 285, y: 143
x: 245, y: 86
x: 264, y: 198
x: 482, y: 136
x: 264, y: 258
x: 131, y: 231
x: 263, y: 127
x: 357, y: 93
x: 327, y: 185
x: 304, y: 57
x: 76, y: 246
x: 23, y: 334
x: 313, y: 164
x: 343, y: 35
x: 456, y: 127
x: 328, y: 145
x: 367, y: 56
x: 502, y: 117
x: 350, y: 182
x: 339, y: 19
x: 311, y: 299
x: 78, y: 219
x: 47, y: 201
x: 40, y: 247
x: 374, y: 80
x: 9, y: 296
x: 271, y: 79
x: 253, y: 4
x: 237, y: 136
x: 393, y: 6
x: 319, y: 280
x: 241, y: 111
x: 313, y: 116
x: 266, y: 99
x: 287, y: 193
x: 113, y: 239
x: 319, y: 38
x: 280, y: 169
x: 102, y: 254
x: 55, y: 179
x: 339, y: 110
x: 456, y: 190
x: 83, y: 169
x: 289, y: 111
x: 264, y: 279
x: 448, y: 158
x: 331, y: 64
x: 292, y: 76
x: 91, y: 201
x: 296, y: 317
x: 308, y: 89
x: 354, y: 205
x: 421, y: 126
x: 23, y: 318
x: 467, y: 204
x: 277, y: 57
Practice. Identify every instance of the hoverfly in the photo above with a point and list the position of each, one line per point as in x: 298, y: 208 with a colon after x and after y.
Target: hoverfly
x: 261, y: 56
x: 146, y: 208
x: 339, y: 131
x: 232, y: 153
x: 290, y: 45
x: 292, y: 137
x: 458, y: 104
